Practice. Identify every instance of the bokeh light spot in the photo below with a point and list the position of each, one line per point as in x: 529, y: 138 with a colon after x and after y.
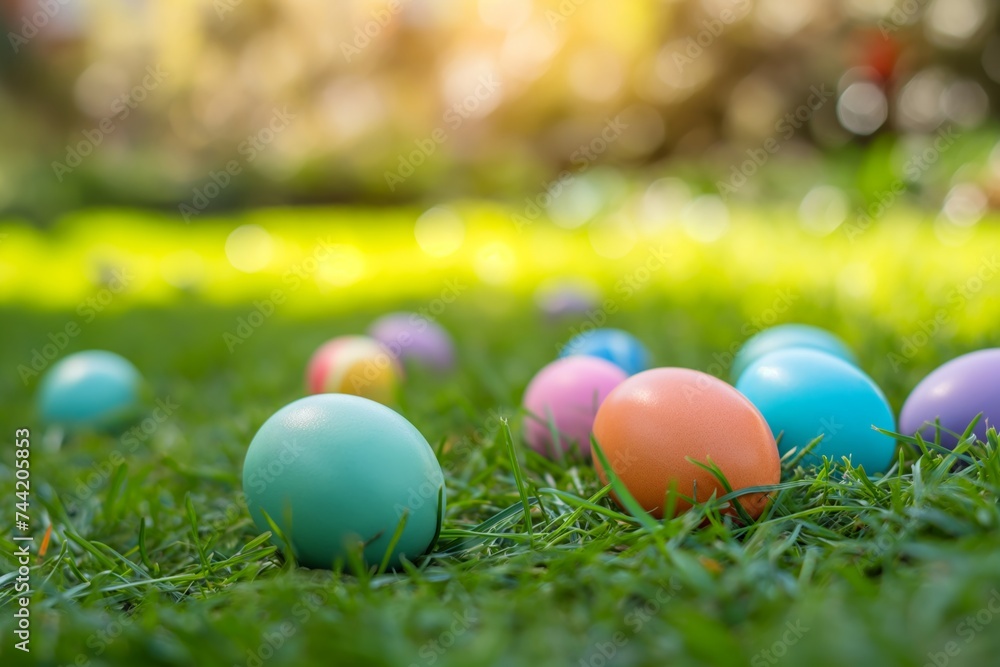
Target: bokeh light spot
x: 706, y: 219
x: 249, y: 248
x: 823, y: 209
x: 862, y: 108
x: 439, y: 232
x: 345, y: 266
x: 612, y: 238
x: 496, y: 263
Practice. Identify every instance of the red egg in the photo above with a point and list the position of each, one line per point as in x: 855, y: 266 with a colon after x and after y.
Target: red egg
x: 356, y: 365
x: 651, y: 424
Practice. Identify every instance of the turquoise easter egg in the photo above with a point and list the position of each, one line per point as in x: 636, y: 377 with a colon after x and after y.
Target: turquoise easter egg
x: 785, y: 336
x: 95, y: 390
x: 804, y: 393
x: 335, y: 469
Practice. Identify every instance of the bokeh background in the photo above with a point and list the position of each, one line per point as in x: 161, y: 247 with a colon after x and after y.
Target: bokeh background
x: 140, y: 102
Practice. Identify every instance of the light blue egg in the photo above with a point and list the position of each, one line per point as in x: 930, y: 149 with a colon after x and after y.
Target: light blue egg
x: 805, y: 393
x: 94, y: 389
x: 786, y: 336
x: 619, y: 347
x: 334, y: 469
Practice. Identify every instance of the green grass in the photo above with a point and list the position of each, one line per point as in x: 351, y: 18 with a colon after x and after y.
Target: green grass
x: 155, y: 561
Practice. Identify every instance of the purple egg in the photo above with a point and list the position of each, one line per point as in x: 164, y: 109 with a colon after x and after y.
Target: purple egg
x: 567, y: 298
x: 955, y: 393
x: 568, y: 393
x: 413, y: 337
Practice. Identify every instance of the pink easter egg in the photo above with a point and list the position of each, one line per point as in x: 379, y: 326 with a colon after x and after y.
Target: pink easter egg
x: 567, y: 393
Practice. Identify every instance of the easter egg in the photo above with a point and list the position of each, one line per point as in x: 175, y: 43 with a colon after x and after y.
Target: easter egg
x: 652, y: 423
x: 94, y: 389
x: 804, y: 393
x: 955, y: 393
x: 619, y: 347
x: 558, y: 298
x: 331, y: 470
x: 786, y: 336
x: 354, y: 365
x: 413, y: 337
x: 566, y: 394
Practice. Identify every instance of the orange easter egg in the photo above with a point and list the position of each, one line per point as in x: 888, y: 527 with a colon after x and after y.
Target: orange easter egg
x: 651, y: 423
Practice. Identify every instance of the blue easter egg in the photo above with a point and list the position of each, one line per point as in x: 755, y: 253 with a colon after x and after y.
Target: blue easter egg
x: 335, y: 469
x: 94, y: 389
x: 785, y: 336
x: 619, y: 347
x: 805, y: 393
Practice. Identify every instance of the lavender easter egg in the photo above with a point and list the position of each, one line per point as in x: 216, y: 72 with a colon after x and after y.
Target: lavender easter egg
x: 955, y: 393
x: 567, y: 298
x: 566, y: 394
x: 413, y: 337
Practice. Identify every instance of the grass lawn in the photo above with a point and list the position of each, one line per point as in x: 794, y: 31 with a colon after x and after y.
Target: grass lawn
x: 154, y: 560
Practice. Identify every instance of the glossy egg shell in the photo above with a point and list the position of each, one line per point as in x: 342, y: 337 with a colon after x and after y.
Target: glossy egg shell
x: 94, y: 389
x: 333, y: 468
x: 617, y: 346
x: 567, y: 392
x: 356, y: 365
x: 412, y: 337
x: 805, y: 393
x: 653, y: 422
x: 786, y: 336
x: 955, y: 393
